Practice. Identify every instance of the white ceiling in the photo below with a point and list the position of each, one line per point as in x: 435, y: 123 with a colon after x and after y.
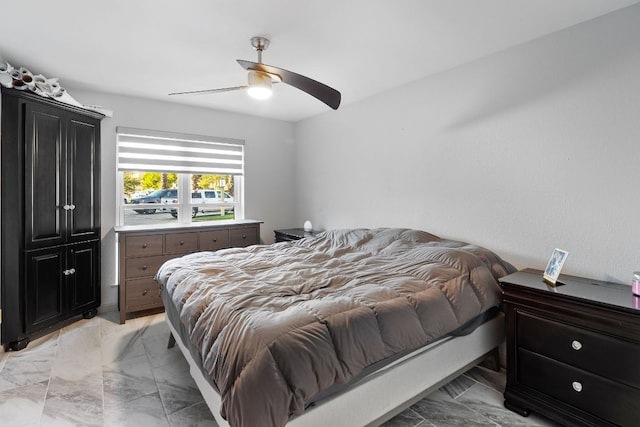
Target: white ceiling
x: 148, y: 48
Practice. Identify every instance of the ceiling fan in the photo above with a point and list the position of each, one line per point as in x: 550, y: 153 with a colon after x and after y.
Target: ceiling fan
x: 261, y: 76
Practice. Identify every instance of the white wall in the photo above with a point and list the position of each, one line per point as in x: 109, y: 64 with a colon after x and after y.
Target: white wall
x: 269, y: 179
x: 529, y: 149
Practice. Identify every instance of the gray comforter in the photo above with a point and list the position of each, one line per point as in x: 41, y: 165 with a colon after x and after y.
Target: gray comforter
x: 276, y: 325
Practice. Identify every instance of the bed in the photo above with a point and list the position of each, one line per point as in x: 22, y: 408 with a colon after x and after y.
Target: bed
x: 345, y: 328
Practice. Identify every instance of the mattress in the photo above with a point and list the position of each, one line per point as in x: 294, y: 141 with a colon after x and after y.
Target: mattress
x: 276, y: 327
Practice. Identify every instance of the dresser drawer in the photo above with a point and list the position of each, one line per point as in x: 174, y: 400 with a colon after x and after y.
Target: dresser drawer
x: 607, y: 399
x: 143, y: 267
x: 143, y: 294
x: 143, y: 245
x: 181, y: 243
x: 214, y: 240
x: 600, y: 354
x: 245, y: 236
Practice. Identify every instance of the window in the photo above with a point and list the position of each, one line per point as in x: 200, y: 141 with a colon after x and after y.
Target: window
x: 169, y: 178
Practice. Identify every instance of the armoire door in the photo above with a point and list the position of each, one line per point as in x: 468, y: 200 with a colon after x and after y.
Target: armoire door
x: 45, y: 176
x: 44, y: 288
x: 83, y: 174
x: 82, y: 275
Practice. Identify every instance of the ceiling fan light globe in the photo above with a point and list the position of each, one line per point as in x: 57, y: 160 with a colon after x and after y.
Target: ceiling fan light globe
x: 259, y: 92
x: 259, y: 85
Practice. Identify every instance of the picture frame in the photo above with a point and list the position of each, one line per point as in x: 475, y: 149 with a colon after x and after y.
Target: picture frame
x: 551, y: 273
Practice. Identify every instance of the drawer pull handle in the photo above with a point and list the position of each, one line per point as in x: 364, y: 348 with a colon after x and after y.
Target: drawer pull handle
x: 144, y: 246
x: 244, y: 236
x: 576, y: 345
x: 577, y: 386
x: 181, y: 242
x: 147, y: 290
x: 215, y: 240
x: 144, y: 268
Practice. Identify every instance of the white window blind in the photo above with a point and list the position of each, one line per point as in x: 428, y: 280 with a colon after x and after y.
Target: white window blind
x: 158, y: 151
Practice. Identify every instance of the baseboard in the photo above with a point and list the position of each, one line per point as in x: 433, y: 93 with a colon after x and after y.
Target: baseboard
x: 107, y: 308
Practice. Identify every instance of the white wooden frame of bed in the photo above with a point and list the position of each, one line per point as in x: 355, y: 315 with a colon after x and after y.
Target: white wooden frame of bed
x: 388, y: 391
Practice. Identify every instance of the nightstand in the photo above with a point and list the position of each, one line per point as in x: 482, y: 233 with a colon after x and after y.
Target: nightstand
x: 573, y: 351
x: 290, y: 234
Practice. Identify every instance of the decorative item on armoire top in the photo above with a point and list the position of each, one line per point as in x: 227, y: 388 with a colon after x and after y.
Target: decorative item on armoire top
x: 551, y: 273
x: 23, y: 79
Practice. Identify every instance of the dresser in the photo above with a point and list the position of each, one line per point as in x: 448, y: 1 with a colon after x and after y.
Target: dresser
x: 50, y: 228
x: 143, y: 251
x: 573, y: 350
x: 289, y: 234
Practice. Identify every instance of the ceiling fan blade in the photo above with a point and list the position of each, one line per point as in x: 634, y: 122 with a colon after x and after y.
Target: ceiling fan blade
x: 205, y: 91
x: 324, y: 93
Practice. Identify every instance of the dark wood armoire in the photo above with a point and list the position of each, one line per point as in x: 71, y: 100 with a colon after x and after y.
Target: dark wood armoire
x: 50, y: 212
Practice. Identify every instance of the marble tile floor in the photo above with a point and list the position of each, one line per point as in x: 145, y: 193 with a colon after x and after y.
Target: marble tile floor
x: 97, y: 372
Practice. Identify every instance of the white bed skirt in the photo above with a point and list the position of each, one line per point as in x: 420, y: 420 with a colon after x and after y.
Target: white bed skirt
x: 388, y: 391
